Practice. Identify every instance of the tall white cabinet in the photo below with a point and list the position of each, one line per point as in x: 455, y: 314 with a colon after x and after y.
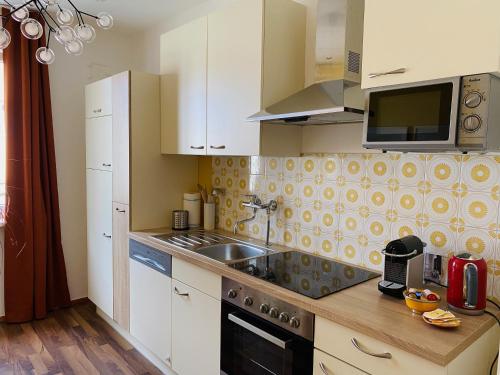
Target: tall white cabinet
x: 130, y: 184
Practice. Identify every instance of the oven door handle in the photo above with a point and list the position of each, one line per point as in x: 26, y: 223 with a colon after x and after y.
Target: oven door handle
x: 259, y: 332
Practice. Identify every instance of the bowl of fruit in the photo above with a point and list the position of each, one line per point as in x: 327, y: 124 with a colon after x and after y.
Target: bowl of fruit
x: 421, y: 300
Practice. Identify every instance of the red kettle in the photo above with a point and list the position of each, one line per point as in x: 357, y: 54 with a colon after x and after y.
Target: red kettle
x: 467, y: 275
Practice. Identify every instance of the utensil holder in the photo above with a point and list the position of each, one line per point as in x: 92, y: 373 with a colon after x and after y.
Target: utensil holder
x: 209, y: 216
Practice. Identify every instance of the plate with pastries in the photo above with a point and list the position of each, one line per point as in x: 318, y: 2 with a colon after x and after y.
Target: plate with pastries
x: 441, y: 318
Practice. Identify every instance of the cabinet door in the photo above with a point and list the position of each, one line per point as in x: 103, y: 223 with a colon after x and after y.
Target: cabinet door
x: 121, y: 282
x: 99, y: 143
x: 98, y: 99
x: 195, y: 331
x: 99, y: 239
x: 121, y: 138
x: 430, y: 39
x: 184, y: 89
x: 325, y: 364
x: 234, y: 78
x: 151, y: 309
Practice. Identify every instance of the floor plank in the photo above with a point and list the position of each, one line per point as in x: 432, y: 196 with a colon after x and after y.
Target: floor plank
x: 69, y: 341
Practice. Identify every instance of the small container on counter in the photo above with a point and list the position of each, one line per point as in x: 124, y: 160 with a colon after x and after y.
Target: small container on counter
x: 192, y: 204
x: 180, y: 220
x: 209, y: 216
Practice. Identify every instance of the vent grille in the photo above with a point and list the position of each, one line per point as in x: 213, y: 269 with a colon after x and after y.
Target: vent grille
x: 353, y: 62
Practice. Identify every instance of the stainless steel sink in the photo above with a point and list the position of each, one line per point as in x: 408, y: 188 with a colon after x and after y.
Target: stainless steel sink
x: 215, y: 246
x: 230, y: 252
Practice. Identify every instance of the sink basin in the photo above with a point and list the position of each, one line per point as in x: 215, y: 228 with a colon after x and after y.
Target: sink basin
x: 231, y: 252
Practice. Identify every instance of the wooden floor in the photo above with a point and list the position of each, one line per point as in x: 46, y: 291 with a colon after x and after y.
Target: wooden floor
x: 69, y: 341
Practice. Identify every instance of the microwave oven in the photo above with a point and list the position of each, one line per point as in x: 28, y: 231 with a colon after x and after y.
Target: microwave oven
x: 459, y: 113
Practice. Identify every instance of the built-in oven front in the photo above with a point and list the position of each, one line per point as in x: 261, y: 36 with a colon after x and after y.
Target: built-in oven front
x: 251, y: 345
x: 416, y: 116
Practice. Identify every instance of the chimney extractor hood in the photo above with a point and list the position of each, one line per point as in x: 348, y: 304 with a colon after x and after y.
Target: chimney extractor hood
x: 336, y: 97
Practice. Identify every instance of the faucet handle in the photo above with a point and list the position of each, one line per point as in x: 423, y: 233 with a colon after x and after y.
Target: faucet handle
x: 253, y: 198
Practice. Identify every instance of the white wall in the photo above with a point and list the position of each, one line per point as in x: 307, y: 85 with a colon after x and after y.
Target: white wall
x: 110, y: 53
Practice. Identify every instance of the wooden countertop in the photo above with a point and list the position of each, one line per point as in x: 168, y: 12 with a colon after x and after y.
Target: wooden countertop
x: 362, y: 307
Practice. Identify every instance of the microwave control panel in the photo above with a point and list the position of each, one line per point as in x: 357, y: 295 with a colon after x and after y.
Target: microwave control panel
x: 478, y: 119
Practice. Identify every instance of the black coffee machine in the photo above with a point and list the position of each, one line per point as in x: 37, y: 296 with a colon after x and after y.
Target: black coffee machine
x: 403, y: 267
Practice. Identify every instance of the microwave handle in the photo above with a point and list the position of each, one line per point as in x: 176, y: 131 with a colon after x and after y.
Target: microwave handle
x: 395, y: 71
x: 470, y: 285
x: 259, y: 332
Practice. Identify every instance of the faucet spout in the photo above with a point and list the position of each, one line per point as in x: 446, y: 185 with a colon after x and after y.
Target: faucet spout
x: 242, y: 221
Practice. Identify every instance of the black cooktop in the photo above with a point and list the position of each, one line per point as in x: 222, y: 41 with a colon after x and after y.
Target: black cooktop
x: 307, y: 274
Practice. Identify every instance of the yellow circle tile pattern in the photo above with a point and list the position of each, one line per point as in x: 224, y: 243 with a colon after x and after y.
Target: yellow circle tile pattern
x: 348, y: 206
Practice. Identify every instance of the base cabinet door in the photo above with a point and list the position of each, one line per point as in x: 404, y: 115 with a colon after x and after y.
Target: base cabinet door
x: 150, y: 309
x: 195, y: 331
x: 99, y: 240
x: 325, y: 364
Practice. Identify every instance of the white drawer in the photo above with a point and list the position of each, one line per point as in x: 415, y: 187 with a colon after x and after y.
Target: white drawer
x: 325, y: 364
x: 196, y: 277
x: 336, y: 340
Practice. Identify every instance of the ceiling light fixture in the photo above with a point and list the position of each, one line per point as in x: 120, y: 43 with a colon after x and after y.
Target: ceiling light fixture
x: 59, y: 22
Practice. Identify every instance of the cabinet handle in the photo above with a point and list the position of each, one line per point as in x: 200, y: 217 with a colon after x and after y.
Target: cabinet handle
x: 106, y: 235
x: 323, y: 368
x: 218, y: 147
x: 378, y: 355
x: 176, y: 291
x: 98, y: 110
x: 197, y: 147
x: 106, y: 165
x: 395, y: 71
x: 120, y: 211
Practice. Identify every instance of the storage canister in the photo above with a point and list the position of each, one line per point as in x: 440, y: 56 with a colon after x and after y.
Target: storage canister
x: 192, y: 204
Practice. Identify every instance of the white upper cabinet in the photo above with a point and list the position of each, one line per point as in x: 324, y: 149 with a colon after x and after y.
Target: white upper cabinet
x: 255, y: 58
x: 429, y: 39
x: 234, y: 78
x: 98, y: 99
x: 99, y: 134
x: 221, y: 69
x: 184, y: 89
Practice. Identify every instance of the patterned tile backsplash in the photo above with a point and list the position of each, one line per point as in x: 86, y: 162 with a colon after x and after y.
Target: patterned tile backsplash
x: 348, y: 206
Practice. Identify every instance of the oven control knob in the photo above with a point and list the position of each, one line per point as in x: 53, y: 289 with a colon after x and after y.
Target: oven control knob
x: 473, y: 99
x: 274, y: 312
x: 284, y: 317
x: 471, y: 123
x: 232, y: 293
x: 264, y: 308
x: 248, y: 301
x: 294, y: 322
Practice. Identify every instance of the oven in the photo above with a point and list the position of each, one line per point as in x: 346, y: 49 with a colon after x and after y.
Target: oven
x: 455, y: 113
x: 252, y: 346
x: 261, y: 335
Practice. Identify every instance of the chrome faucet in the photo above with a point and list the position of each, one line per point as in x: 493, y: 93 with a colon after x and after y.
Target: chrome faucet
x: 256, y: 204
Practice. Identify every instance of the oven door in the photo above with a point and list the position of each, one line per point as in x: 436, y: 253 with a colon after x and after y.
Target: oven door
x: 252, y: 346
x: 413, y: 117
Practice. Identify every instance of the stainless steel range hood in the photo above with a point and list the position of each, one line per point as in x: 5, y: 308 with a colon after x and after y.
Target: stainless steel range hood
x: 336, y: 97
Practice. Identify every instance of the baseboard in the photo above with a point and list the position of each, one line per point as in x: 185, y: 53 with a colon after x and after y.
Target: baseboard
x: 136, y: 344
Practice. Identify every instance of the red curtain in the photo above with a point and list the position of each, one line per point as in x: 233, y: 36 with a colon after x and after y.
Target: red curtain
x: 35, y: 273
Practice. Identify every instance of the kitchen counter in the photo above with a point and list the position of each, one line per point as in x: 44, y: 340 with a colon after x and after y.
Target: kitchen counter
x: 362, y: 307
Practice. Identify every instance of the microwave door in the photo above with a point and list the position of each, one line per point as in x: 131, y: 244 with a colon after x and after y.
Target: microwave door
x: 419, y: 116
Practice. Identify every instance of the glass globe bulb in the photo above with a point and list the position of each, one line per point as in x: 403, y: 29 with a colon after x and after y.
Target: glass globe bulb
x: 65, y: 34
x: 20, y: 14
x: 65, y: 17
x: 31, y: 28
x: 4, y: 38
x: 85, y: 33
x: 45, y: 55
x: 104, y: 20
x: 75, y: 47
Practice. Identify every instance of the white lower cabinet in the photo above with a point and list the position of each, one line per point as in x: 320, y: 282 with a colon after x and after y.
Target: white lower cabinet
x: 150, y: 309
x: 325, y: 364
x: 195, y: 331
x: 99, y: 241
